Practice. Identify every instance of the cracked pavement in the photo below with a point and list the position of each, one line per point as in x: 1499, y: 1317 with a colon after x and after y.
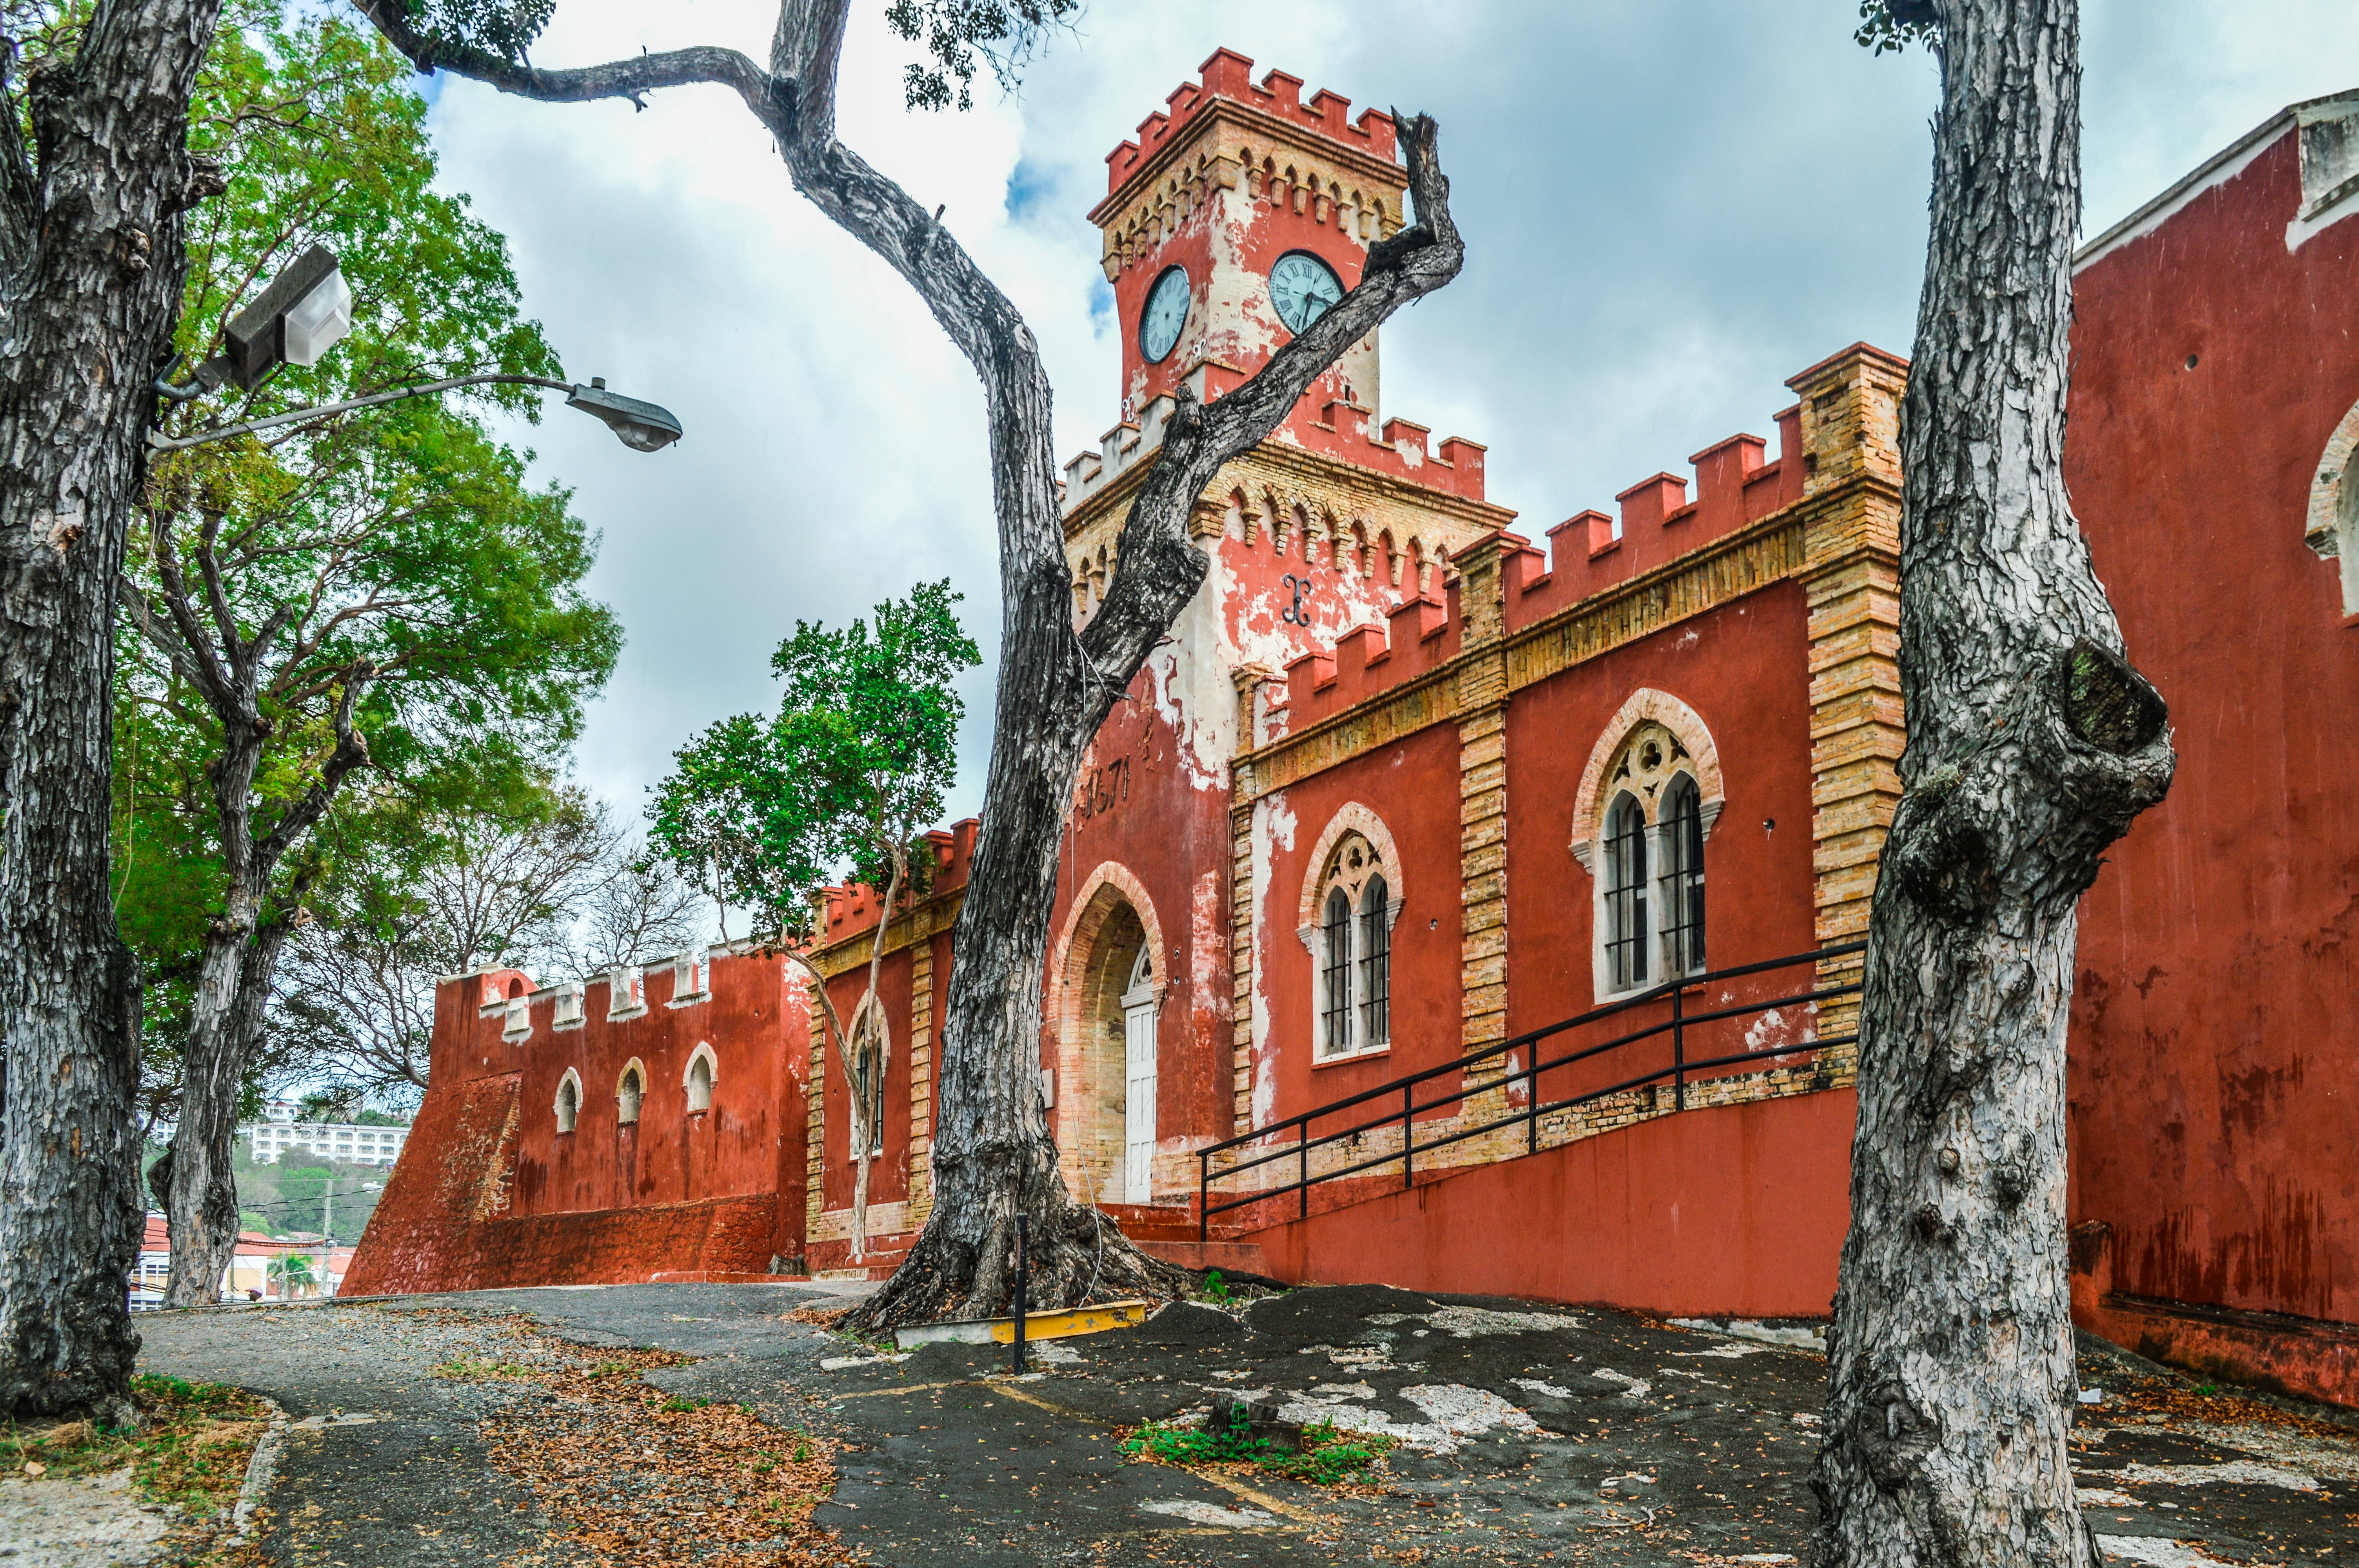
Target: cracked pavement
x: 1528, y: 1433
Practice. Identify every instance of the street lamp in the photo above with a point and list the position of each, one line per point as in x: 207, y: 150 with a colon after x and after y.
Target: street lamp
x: 308, y: 308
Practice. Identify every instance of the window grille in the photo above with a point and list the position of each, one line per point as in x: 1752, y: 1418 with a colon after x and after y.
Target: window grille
x: 1337, y: 1013
x: 1376, y: 964
x: 1682, y: 843
x: 868, y: 1084
x: 1626, y: 895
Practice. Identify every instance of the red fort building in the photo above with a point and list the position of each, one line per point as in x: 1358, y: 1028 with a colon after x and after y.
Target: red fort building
x: 1479, y: 909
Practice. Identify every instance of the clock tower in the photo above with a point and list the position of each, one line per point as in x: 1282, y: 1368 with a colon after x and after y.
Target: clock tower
x: 1235, y: 218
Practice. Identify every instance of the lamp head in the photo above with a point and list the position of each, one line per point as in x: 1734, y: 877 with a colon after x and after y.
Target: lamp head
x: 642, y: 426
x: 305, y: 311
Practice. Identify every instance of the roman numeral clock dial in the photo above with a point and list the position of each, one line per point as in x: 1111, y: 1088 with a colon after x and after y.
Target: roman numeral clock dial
x: 1304, y: 288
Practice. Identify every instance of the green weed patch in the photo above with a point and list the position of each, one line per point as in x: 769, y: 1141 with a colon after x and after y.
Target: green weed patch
x: 1327, y: 1456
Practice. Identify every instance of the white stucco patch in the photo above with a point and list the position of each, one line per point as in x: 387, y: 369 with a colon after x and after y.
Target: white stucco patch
x: 1212, y: 1514
x: 1453, y: 1414
x: 1273, y: 830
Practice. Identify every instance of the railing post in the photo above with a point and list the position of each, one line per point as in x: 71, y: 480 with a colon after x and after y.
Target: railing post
x: 1302, y: 1160
x: 1409, y: 1135
x: 1679, y: 1049
x: 1532, y: 1102
x: 1204, y: 1195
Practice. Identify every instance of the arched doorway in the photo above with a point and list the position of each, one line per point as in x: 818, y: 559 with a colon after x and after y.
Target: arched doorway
x: 1105, y: 1056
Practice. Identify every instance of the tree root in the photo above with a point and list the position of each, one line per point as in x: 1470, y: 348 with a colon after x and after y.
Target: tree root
x: 1078, y: 1256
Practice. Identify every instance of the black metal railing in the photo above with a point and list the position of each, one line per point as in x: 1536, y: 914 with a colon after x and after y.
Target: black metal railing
x: 1677, y: 1026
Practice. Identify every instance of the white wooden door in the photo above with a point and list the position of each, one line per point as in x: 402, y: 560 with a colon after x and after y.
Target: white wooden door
x: 1138, y: 1083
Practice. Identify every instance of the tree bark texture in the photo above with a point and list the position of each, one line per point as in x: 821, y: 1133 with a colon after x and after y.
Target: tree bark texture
x: 2031, y: 745
x: 194, y: 626
x: 994, y: 1157
x: 91, y: 271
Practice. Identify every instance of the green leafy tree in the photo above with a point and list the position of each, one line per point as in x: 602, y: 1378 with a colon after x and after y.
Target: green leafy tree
x: 292, y: 1275
x: 380, y: 594
x: 852, y: 769
x: 542, y: 878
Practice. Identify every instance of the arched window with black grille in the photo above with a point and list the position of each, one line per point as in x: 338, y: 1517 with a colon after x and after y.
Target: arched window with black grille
x: 1335, y: 1015
x: 1680, y: 848
x: 1626, y: 895
x: 1376, y: 964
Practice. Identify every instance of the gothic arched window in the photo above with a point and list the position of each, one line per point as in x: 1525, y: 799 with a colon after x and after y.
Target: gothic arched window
x: 1335, y: 1016
x: 1375, y: 976
x: 629, y: 1090
x: 1356, y: 908
x: 569, y: 1101
x: 1679, y: 842
x: 1626, y: 895
x: 697, y: 1080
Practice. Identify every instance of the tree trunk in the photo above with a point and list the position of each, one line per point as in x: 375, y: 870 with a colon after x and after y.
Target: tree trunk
x: 2031, y: 745
x: 993, y: 1156
x: 233, y: 980
x: 92, y: 254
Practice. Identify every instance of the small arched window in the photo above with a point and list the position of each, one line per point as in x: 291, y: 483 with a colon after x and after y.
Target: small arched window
x: 699, y: 1082
x: 1376, y: 961
x: 629, y: 1093
x: 1336, y: 1014
x: 1679, y: 841
x: 569, y: 1101
x: 1626, y: 895
x: 868, y: 1054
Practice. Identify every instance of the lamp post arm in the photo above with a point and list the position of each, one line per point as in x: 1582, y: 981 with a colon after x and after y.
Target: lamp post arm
x: 160, y: 442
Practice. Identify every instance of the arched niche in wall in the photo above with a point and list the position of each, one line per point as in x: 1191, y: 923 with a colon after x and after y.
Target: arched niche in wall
x: 2331, y: 527
x: 704, y: 1071
x: 630, y: 1091
x: 568, y: 1101
x: 869, y: 1035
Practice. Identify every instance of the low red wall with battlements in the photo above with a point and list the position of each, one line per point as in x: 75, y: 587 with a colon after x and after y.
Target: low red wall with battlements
x: 493, y: 1188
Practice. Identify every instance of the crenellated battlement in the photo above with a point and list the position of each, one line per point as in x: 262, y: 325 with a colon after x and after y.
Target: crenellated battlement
x: 1227, y: 75
x: 849, y: 910
x: 1842, y: 430
x: 1344, y: 431
x: 1657, y: 519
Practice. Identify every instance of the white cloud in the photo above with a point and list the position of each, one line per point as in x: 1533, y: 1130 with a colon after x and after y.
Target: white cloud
x: 1669, y: 210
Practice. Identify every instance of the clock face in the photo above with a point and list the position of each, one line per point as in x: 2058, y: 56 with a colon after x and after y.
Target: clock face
x: 1166, y: 313
x: 1304, y: 288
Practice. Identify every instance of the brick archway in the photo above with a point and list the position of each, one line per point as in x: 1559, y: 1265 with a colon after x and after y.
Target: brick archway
x: 1111, y: 921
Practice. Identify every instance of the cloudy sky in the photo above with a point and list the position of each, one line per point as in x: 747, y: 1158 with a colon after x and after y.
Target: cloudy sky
x: 1669, y: 208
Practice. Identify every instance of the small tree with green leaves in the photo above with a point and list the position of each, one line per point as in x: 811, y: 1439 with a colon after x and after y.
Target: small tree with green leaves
x: 849, y: 771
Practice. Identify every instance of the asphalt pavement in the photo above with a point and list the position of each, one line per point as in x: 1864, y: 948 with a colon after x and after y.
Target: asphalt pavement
x: 1527, y: 1433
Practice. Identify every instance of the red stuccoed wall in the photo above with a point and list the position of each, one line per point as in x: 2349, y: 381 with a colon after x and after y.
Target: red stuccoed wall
x: 1737, y: 1209
x: 488, y: 1192
x: 2214, y: 1042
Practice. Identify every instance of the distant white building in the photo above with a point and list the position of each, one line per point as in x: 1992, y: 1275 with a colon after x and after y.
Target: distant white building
x: 343, y: 1140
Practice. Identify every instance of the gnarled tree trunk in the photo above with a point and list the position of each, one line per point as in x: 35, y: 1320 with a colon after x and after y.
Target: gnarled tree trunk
x: 91, y: 271
x: 2031, y: 745
x: 994, y: 1157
